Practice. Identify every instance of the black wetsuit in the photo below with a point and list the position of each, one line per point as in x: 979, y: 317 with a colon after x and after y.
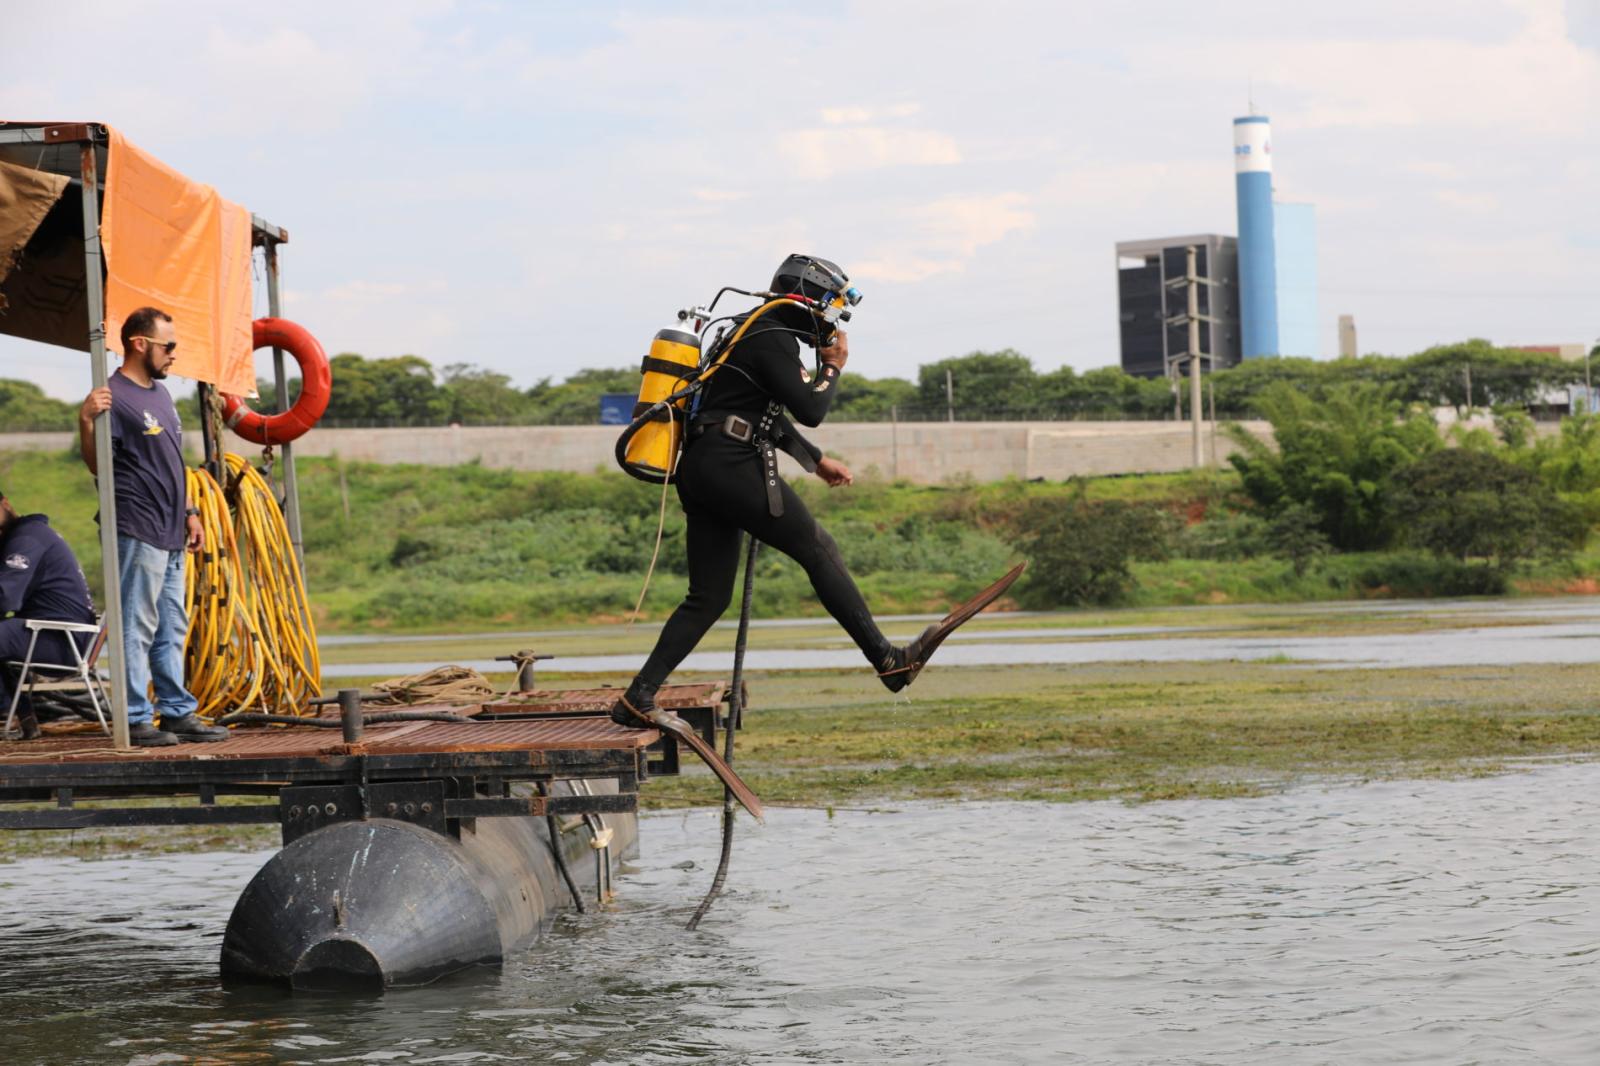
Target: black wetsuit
x: 723, y: 485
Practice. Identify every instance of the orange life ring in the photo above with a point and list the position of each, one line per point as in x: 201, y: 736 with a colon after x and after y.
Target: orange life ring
x: 316, y: 383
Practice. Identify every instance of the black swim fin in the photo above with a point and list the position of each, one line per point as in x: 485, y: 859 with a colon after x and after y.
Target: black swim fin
x: 909, y: 661
x: 667, y: 722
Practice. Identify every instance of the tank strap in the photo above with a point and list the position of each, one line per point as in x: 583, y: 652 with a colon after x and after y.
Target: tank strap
x: 652, y: 365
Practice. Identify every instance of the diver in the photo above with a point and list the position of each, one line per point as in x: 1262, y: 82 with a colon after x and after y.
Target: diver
x: 728, y: 483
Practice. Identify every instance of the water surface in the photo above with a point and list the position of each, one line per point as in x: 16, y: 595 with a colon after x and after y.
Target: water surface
x: 1433, y: 921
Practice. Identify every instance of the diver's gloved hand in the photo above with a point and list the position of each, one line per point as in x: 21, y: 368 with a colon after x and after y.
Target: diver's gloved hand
x: 837, y: 353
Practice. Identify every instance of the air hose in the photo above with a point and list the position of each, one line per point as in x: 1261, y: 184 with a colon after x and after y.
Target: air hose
x: 735, y: 711
x: 252, y: 642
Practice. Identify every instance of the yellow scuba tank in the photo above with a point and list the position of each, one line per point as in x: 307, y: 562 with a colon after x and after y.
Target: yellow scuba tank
x: 651, y: 450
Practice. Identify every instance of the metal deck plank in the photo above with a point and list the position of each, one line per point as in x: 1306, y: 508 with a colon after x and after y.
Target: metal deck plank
x: 573, y: 747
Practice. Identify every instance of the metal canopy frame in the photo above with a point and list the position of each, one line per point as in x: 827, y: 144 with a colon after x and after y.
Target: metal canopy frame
x: 59, y: 143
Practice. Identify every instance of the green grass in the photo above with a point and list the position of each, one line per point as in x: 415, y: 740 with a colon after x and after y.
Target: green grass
x: 1144, y: 732
x: 468, y: 549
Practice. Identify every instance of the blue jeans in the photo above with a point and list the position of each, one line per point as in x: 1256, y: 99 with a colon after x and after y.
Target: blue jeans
x: 154, y: 627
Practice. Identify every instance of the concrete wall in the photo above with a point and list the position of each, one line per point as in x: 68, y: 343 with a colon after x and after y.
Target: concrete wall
x: 921, y: 452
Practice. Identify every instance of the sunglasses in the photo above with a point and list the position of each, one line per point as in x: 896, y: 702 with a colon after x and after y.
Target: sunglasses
x: 166, y: 346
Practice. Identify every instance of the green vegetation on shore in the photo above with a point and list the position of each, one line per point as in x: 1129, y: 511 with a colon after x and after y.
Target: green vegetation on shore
x: 407, y: 390
x: 407, y: 548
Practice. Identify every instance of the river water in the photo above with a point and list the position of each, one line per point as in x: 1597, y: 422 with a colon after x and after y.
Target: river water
x: 1552, y: 632
x: 1434, y: 921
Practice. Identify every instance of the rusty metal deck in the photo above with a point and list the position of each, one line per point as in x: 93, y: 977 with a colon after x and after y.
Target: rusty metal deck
x: 290, y: 742
x: 536, y: 738
x: 256, y: 760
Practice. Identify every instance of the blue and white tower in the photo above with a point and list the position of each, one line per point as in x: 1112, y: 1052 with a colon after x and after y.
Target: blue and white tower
x: 1258, y: 271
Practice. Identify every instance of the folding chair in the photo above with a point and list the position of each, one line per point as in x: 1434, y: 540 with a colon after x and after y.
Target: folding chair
x: 83, y: 669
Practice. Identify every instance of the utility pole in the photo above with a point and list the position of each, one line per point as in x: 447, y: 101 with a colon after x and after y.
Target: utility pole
x: 1192, y: 318
x: 1194, y: 353
x: 894, y: 441
x: 1211, y: 394
x: 949, y: 396
x: 1588, y: 387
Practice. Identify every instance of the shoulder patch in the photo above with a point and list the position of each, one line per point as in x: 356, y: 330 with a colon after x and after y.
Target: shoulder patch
x: 17, y: 561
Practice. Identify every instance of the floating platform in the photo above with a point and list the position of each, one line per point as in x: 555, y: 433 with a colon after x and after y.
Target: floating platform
x: 418, y: 849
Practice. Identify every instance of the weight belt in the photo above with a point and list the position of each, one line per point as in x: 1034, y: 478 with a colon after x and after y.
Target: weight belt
x: 769, y: 432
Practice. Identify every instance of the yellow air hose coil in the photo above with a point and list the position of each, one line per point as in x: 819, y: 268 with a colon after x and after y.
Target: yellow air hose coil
x: 252, y: 643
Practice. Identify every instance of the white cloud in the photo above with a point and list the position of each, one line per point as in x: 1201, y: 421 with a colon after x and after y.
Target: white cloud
x: 452, y: 174
x: 1478, y: 203
x: 942, y: 237
x: 826, y: 152
x: 841, y: 115
x: 1434, y: 168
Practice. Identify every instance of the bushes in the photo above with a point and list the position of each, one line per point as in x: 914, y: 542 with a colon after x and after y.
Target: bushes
x: 1082, y: 550
x: 1469, y: 504
x: 1335, y: 454
x: 1413, y: 575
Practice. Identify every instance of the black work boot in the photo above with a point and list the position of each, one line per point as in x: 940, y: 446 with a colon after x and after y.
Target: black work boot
x: 145, y: 735
x: 636, y: 705
x: 189, y: 729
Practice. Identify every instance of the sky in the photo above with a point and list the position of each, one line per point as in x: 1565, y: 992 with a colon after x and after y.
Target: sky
x: 536, y: 188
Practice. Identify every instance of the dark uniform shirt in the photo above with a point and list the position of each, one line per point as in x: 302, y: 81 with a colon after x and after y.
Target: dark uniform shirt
x: 147, y: 463
x: 39, y: 575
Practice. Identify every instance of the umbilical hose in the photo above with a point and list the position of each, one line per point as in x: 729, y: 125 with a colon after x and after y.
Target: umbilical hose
x: 252, y: 642
x: 735, y: 710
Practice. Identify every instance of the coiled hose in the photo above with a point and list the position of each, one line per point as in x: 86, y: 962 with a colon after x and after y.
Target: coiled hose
x: 252, y: 643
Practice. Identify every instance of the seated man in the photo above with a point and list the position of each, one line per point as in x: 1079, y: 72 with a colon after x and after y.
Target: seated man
x: 39, y: 578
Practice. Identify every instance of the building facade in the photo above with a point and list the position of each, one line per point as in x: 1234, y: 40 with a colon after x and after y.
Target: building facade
x: 1146, y: 301
x: 1294, y: 230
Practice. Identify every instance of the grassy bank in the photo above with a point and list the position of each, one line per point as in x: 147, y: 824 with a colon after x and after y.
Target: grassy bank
x: 1133, y: 732
x: 410, y: 548
x: 1147, y: 731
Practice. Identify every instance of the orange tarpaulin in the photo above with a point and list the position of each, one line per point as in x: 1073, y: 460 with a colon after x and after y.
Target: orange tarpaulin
x: 175, y: 244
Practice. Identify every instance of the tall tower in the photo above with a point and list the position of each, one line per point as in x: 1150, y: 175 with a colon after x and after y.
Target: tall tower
x: 1258, y: 270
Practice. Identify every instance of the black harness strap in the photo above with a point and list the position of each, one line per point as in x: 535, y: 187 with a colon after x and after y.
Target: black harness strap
x: 769, y: 456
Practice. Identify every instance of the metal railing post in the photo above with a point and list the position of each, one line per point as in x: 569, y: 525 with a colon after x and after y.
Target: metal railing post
x: 291, y: 485
x: 94, y: 297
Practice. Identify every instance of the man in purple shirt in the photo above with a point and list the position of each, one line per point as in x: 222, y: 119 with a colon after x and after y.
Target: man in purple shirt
x: 156, y: 524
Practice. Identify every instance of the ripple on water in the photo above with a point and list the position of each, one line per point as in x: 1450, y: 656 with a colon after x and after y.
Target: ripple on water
x: 1414, y: 921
